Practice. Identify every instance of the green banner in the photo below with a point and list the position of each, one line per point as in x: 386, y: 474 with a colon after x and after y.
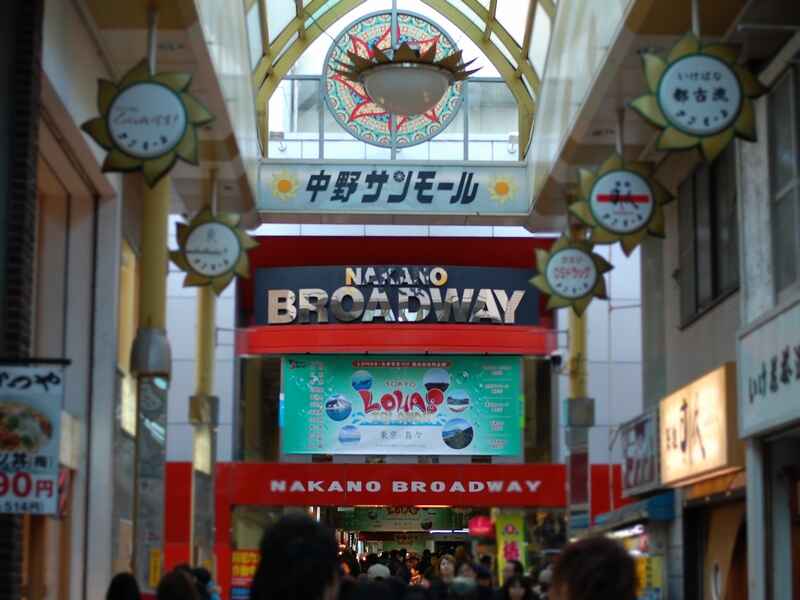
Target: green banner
x: 395, y: 518
x: 413, y: 405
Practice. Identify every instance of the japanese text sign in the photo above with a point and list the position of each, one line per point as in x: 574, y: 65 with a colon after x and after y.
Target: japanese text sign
x: 392, y: 187
x: 510, y: 529
x: 698, y: 428
x: 30, y: 438
x: 769, y: 376
x: 639, y: 441
x: 411, y: 405
x: 395, y: 518
x: 243, y: 569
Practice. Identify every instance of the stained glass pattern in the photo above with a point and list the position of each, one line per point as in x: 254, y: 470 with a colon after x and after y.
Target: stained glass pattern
x: 349, y: 102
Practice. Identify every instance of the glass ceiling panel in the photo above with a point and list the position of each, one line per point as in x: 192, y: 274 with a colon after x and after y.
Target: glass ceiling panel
x: 513, y: 15
x: 540, y: 38
x: 468, y: 12
x: 503, y: 50
x: 254, y: 35
x: 279, y: 15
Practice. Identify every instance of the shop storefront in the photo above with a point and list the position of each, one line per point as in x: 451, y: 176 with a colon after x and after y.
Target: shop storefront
x: 701, y: 454
x: 769, y: 419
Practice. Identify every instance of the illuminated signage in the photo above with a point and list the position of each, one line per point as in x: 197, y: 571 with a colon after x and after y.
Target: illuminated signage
x: 388, y: 294
x: 698, y: 428
x: 639, y: 441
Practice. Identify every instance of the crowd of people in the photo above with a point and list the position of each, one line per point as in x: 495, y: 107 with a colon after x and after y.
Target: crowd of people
x: 300, y: 560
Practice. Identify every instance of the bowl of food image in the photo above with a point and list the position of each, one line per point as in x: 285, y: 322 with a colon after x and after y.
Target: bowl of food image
x: 457, y: 433
x: 338, y: 407
x: 22, y: 428
x: 361, y: 380
x: 349, y: 434
x: 436, y: 379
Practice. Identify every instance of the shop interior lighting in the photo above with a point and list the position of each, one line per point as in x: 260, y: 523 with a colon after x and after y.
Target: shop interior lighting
x: 628, y: 532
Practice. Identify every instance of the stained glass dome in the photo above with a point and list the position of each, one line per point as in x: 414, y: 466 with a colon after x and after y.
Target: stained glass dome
x: 349, y: 102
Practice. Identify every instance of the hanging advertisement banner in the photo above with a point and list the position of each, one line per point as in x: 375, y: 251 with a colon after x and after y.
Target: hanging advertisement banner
x: 31, y: 397
x: 390, y: 294
x: 417, y: 405
x: 391, y: 187
x: 639, y: 441
x: 395, y: 518
x: 510, y: 528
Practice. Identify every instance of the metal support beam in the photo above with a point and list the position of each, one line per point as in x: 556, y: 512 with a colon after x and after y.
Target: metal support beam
x: 490, y: 20
x: 526, y: 38
x: 301, y: 31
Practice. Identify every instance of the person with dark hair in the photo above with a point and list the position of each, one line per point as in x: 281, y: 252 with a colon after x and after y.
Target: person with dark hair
x: 205, y: 583
x: 516, y: 588
x: 299, y: 561
x: 178, y: 584
x: 512, y: 568
x: 466, y: 570
x: 463, y: 588
x: 123, y: 586
x: 595, y: 568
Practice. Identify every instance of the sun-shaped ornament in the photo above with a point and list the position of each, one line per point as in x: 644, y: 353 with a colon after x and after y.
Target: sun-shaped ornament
x: 699, y: 96
x: 147, y: 122
x: 284, y: 185
x: 621, y: 202
x: 571, y: 274
x: 212, y: 250
x: 502, y: 188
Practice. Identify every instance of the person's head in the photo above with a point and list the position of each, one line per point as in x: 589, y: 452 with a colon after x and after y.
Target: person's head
x: 594, y: 568
x: 467, y: 570
x: 483, y: 575
x: 463, y: 589
x: 486, y: 561
x: 461, y: 554
x: 378, y: 572
x: 516, y: 588
x: 447, y: 567
x: 123, y: 586
x: 512, y: 568
x: 177, y: 585
x: 299, y: 561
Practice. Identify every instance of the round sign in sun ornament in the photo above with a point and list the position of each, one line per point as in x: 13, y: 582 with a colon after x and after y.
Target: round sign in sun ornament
x: 571, y: 274
x: 147, y: 122
x: 621, y: 202
x: 699, y: 96
x: 212, y: 250
x: 348, y: 100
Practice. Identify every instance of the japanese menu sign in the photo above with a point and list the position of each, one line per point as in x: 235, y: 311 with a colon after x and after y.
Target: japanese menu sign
x: 30, y: 437
x: 639, y: 441
x: 769, y: 375
x: 402, y: 405
x: 392, y: 187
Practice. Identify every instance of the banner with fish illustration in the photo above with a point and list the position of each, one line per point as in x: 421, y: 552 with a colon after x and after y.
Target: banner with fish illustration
x: 410, y: 405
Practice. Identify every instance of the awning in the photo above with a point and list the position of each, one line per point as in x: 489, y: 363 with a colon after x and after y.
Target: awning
x: 656, y: 508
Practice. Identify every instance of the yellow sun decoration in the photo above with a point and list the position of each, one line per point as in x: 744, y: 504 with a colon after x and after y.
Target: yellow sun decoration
x: 284, y: 185
x: 502, y: 189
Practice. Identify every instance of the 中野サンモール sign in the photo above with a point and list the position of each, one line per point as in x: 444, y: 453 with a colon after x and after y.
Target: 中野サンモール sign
x: 416, y: 294
x: 413, y: 405
x: 390, y: 187
x: 30, y: 438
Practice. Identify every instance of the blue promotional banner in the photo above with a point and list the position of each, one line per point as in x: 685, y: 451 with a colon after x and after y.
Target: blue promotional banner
x: 392, y: 187
x: 410, y: 405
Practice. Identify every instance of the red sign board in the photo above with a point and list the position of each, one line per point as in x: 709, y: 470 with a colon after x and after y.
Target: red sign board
x: 273, y: 484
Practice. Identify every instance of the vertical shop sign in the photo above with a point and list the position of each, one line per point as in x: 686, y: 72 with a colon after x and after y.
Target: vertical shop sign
x: 466, y: 405
x: 510, y: 528
x: 639, y: 441
x: 244, y: 564
x: 31, y: 397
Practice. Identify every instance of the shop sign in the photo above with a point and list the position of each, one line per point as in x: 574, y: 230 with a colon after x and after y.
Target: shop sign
x: 391, y: 187
x: 769, y: 374
x: 388, y: 294
x: 510, y: 528
x: 212, y: 250
x: 621, y: 202
x: 395, y: 518
x: 578, y: 469
x: 571, y: 274
x: 698, y: 96
x: 639, y: 441
x: 147, y: 122
x: 411, y: 405
x: 243, y: 569
x: 468, y: 485
x: 698, y: 429
x: 31, y: 397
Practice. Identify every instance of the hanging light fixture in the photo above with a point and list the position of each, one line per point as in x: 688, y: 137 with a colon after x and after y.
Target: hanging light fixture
x: 405, y: 81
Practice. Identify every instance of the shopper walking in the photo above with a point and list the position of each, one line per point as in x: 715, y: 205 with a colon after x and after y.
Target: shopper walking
x: 516, y: 588
x: 596, y: 568
x: 177, y: 585
x: 123, y: 586
x: 299, y: 561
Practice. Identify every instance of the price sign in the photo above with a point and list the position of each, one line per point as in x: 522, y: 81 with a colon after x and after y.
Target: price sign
x: 30, y: 438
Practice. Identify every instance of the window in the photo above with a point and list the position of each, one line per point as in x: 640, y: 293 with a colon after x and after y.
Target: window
x: 708, y: 230
x: 784, y: 179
